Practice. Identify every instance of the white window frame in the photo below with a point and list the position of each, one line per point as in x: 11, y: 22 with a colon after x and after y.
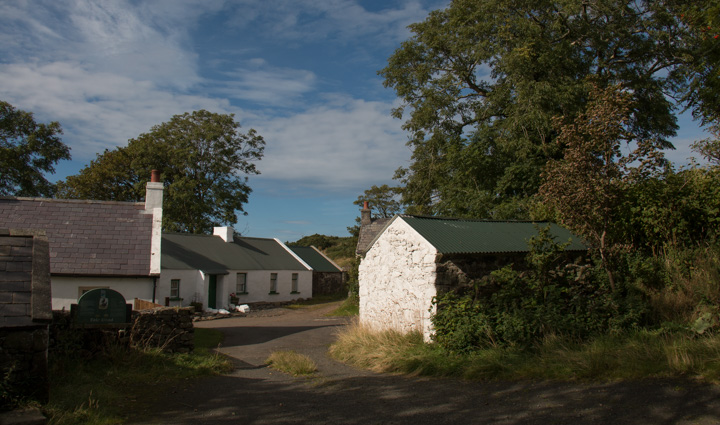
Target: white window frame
x: 174, y: 291
x: 241, y: 287
x: 273, y: 283
x: 294, y: 287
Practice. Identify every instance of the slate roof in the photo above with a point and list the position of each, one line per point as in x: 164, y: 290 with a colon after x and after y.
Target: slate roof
x: 315, y: 259
x: 213, y: 255
x: 87, y: 238
x: 466, y: 236
x: 368, y: 233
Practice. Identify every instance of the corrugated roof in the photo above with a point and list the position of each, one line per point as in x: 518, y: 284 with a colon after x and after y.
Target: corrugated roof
x: 466, y: 236
x: 314, y: 259
x: 95, y: 238
x: 213, y: 255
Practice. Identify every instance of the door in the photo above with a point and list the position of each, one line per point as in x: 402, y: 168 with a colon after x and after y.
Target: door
x: 212, y: 291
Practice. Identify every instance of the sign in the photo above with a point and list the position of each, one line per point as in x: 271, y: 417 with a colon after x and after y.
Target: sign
x: 102, y: 306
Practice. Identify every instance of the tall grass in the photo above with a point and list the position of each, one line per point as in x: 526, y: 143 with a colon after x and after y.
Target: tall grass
x: 291, y: 362
x: 692, y: 286
x: 634, y: 355
x: 102, y: 388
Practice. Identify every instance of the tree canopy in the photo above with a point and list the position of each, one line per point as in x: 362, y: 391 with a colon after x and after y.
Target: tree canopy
x: 204, y: 161
x: 28, y: 150
x: 482, y: 80
x: 384, y: 201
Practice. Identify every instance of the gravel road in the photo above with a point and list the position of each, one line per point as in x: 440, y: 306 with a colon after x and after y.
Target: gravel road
x: 339, y: 394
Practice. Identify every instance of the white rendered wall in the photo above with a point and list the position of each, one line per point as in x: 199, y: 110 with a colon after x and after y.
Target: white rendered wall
x: 65, y: 290
x: 194, y: 286
x: 397, y: 281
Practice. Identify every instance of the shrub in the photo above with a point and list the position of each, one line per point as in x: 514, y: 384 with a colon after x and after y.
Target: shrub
x: 554, y: 296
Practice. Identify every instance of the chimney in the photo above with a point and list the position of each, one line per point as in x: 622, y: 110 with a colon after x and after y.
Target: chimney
x: 153, y: 192
x: 226, y: 233
x: 365, y: 215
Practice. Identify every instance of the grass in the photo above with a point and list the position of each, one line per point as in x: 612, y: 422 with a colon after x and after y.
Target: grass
x: 292, y: 363
x: 315, y: 302
x: 349, y: 307
x: 102, y: 389
x: 636, y: 355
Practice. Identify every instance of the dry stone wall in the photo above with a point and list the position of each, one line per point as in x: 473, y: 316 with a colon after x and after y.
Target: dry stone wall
x: 397, y: 281
x: 168, y: 328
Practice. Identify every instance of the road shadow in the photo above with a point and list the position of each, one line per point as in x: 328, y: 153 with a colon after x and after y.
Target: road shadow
x: 383, y: 399
x: 238, y: 336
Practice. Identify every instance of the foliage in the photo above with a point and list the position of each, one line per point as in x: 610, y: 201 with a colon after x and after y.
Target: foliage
x: 518, y: 308
x: 586, y: 186
x: 628, y: 355
x: 291, y: 362
x: 384, y: 201
x: 201, y: 156
x: 28, y: 150
x: 482, y: 81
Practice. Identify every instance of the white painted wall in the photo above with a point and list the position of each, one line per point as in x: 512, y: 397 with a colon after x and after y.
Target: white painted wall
x: 66, y: 290
x: 397, y: 281
x: 194, y: 286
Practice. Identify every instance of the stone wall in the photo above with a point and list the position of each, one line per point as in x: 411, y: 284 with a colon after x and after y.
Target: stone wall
x: 170, y: 328
x: 460, y: 270
x: 397, y: 281
x: 328, y: 283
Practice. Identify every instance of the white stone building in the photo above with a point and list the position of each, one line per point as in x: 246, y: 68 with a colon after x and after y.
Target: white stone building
x: 411, y: 259
x: 223, y: 269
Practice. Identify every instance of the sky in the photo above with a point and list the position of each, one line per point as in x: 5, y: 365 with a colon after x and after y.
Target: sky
x: 302, y: 73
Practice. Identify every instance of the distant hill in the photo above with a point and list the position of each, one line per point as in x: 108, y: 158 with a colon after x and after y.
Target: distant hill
x: 340, y: 249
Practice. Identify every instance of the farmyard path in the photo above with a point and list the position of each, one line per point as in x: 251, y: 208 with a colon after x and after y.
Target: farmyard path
x: 255, y: 394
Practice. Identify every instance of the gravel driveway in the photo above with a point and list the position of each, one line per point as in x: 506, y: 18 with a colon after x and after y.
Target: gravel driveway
x: 255, y: 394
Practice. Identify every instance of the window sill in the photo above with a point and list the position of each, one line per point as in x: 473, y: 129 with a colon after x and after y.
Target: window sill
x: 295, y: 292
x: 273, y: 293
x: 175, y: 299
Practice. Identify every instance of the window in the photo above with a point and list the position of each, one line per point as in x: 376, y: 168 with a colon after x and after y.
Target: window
x: 241, y: 284
x: 273, y: 283
x: 175, y: 288
x: 294, y: 289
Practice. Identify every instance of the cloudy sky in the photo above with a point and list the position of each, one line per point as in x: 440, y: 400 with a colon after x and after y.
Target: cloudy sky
x: 303, y: 73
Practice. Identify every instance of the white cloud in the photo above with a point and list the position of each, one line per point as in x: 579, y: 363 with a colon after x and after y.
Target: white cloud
x: 265, y: 84
x: 345, y: 144
x: 97, y: 110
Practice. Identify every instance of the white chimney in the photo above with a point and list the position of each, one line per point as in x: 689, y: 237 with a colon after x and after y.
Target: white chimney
x: 226, y: 233
x: 153, y: 192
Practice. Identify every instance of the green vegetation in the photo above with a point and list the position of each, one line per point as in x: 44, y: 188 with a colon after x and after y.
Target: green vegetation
x: 28, y: 150
x: 627, y: 355
x: 204, y: 161
x: 340, y: 249
x: 291, y: 362
x: 102, y: 388
x: 349, y: 307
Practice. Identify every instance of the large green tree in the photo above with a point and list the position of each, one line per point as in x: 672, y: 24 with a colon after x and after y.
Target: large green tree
x: 28, y: 150
x: 204, y: 162
x: 384, y: 201
x: 482, y: 80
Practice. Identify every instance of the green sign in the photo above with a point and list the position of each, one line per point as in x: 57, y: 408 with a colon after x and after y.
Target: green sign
x: 102, y: 306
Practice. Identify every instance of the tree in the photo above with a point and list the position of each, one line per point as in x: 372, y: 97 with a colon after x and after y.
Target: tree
x: 384, y: 201
x: 587, y: 185
x: 27, y: 150
x: 482, y: 80
x: 201, y: 157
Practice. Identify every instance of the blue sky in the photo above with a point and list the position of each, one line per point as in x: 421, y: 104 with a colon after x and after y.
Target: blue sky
x: 303, y: 73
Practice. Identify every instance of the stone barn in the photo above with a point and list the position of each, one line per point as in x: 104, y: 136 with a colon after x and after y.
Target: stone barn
x: 327, y: 277
x: 412, y: 259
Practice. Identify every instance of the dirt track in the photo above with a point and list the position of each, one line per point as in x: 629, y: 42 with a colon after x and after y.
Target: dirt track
x: 255, y: 394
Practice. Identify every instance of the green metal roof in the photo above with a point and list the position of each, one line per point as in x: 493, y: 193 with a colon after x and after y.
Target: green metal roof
x: 466, y: 236
x: 314, y: 259
x: 213, y: 255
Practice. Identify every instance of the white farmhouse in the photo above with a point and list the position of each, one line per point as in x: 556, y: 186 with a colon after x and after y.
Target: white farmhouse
x: 412, y: 259
x: 223, y: 269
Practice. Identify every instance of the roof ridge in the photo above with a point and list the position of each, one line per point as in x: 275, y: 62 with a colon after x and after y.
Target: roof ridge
x: 484, y: 220
x: 73, y: 201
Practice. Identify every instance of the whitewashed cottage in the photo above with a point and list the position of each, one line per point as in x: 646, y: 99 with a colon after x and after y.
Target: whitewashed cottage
x: 411, y: 259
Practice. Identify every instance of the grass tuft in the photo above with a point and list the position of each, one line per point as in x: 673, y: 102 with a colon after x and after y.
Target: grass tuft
x: 629, y: 356
x: 291, y: 362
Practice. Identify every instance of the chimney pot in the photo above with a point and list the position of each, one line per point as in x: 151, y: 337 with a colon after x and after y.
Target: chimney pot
x: 365, y: 217
x: 155, y: 176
